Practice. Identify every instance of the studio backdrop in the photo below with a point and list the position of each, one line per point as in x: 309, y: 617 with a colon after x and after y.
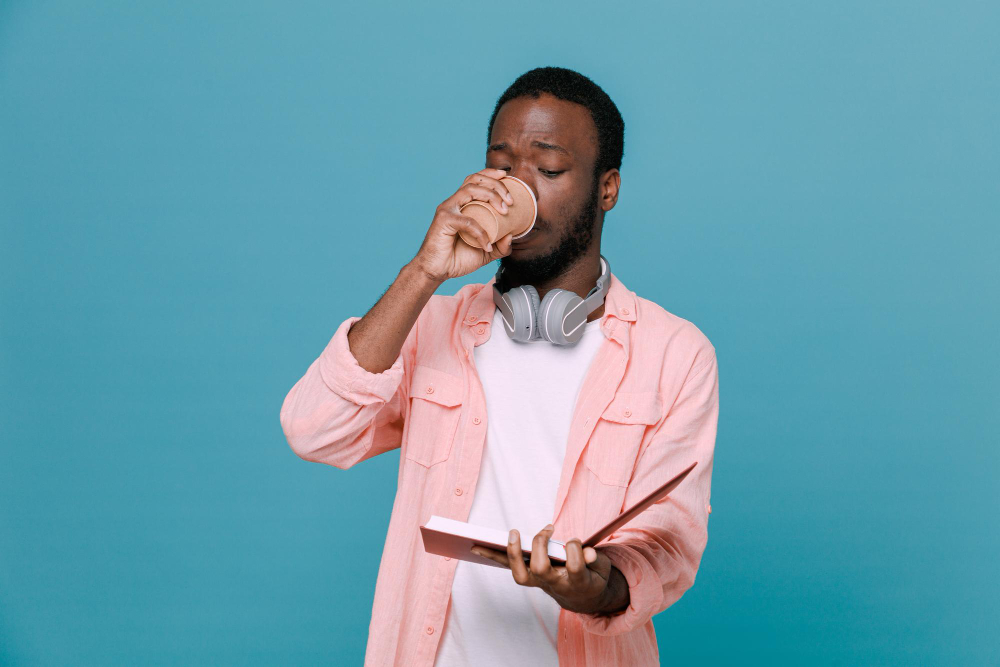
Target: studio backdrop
x: 194, y: 195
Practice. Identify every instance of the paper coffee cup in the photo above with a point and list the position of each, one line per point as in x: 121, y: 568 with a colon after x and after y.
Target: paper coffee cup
x: 485, y: 216
x: 518, y: 220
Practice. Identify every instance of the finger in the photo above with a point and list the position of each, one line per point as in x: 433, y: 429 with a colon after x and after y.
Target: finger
x: 492, y: 554
x: 515, y: 559
x: 501, y: 189
x: 541, y: 566
x: 491, y: 178
x: 473, y: 229
x: 575, y: 565
x: 489, y: 172
x: 486, y: 194
x: 486, y: 551
x: 466, y: 193
x: 499, y: 250
x: 503, y: 246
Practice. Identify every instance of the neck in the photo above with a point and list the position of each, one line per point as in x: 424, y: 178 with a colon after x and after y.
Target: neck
x: 579, y: 277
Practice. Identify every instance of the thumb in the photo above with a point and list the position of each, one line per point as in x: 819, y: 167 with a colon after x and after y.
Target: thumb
x: 504, y: 244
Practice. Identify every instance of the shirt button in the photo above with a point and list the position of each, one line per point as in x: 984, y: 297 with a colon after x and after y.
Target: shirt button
x: 471, y: 318
x: 476, y: 420
x: 458, y: 492
x: 430, y: 389
x: 430, y: 630
x: 628, y: 413
x: 481, y: 330
x: 624, y: 311
x: 709, y: 508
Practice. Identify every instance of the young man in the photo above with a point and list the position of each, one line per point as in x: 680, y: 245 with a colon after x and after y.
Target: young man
x: 535, y: 437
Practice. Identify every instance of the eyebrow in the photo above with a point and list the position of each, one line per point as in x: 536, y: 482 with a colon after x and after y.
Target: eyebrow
x: 538, y: 144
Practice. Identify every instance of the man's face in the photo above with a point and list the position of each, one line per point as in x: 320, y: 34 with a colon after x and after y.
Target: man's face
x: 525, y: 135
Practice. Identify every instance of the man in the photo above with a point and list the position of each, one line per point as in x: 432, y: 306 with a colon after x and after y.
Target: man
x: 541, y: 439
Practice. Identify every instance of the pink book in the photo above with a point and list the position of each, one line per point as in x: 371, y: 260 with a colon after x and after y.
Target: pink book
x: 448, y: 537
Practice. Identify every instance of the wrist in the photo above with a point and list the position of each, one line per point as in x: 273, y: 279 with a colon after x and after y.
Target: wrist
x: 616, y: 597
x: 415, y: 271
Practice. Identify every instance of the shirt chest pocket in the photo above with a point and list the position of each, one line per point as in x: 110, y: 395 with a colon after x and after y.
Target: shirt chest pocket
x: 614, y: 445
x: 435, y: 408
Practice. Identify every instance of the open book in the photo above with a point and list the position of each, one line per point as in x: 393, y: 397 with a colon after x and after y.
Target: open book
x: 455, y: 539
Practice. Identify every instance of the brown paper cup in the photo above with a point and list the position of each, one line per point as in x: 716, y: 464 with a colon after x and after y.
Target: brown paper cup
x: 485, y: 216
x: 518, y: 220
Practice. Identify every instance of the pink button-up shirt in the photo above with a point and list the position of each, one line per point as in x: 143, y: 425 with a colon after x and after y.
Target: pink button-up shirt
x: 648, y: 407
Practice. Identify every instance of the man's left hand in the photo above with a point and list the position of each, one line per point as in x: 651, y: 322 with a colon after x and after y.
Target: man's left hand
x: 578, y: 586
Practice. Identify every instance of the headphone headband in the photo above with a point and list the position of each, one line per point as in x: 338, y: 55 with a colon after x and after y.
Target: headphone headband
x: 595, y: 297
x: 558, y: 318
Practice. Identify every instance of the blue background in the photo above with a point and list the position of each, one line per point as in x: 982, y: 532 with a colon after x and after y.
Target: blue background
x: 194, y: 195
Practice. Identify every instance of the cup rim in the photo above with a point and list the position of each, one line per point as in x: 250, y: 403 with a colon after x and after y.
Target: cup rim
x: 534, y: 203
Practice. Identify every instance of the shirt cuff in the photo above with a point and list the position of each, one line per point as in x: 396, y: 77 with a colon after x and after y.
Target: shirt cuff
x: 644, y: 589
x: 345, y: 377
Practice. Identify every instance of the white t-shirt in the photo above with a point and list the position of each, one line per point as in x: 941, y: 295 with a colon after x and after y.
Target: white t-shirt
x: 531, y: 390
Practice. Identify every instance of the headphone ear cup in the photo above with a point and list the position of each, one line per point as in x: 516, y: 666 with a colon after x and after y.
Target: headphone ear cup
x: 523, y: 303
x: 556, y: 327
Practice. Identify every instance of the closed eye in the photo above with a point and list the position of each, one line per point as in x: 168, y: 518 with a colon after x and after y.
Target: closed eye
x: 549, y: 174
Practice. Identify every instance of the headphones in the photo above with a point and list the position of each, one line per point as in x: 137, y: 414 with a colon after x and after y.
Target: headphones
x: 560, y: 316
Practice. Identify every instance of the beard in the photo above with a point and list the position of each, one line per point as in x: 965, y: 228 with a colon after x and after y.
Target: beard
x: 573, y: 243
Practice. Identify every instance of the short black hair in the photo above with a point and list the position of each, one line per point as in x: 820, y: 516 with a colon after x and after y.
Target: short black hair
x: 571, y: 86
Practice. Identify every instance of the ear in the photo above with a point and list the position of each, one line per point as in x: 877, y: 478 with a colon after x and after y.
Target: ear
x: 607, y: 189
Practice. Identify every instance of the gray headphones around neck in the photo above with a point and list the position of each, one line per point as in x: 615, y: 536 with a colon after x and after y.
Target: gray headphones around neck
x: 558, y: 318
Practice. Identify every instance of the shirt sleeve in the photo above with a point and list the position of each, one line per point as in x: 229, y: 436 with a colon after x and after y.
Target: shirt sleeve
x: 339, y: 413
x: 660, y: 550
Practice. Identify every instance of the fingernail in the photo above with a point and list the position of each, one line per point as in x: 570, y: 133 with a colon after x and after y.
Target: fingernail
x: 489, y: 247
x: 549, y: 527
x: 503, y: 206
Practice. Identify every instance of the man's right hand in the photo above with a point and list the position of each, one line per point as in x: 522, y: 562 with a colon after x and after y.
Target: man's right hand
x: 444, y: 254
